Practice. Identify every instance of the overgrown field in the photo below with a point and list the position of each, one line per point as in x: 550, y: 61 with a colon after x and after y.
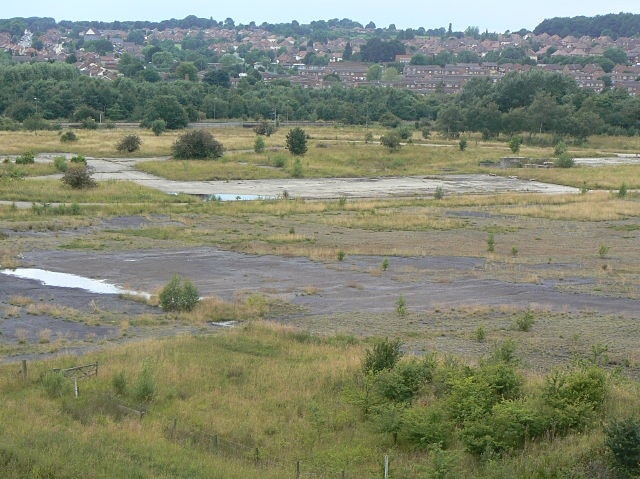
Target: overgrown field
x: 482, y: 391
x: 264, y: 400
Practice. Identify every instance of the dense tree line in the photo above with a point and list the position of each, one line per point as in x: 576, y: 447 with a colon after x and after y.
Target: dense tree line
x: 533, y: 102
x: 613, y: 25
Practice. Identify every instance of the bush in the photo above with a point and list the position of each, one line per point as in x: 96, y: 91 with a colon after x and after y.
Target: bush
x: 178, y: 295
x: 564, y: 161
x: 265, y: 128
x: 391, y: 140
x: 60, y: 162
x: 384, y: 355
x: 623, y: 440
x: 79, y: 159
x: 524, y: 322
x: 68, y: 136
x: 144, y: 390
x: 27, y: 158
x: 296, y: 170
x: 79, y: 176
x: 129, y: 143
x: 158, y: 126
x: 197, y: 144
x: 462, y: 144
x: 259, y: 145
x: 514, y: 144
x: 424, y: 427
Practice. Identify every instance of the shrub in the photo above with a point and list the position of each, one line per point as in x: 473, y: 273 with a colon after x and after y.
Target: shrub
x: 564, y: 161
x: 368, y: 137
x: 424, y: 427
x: 197, y: 144
x: 158, y: 126
x: 178, y: 295
x: 491, y: 243
x: 391, y: 140
x: 514, y: 144
x: 384, y: 355
x: 68, y: 136
x: 27, y: 158
x: 462, y: 144
x: 79, y: 176
x: 129, y: 143
x: 296, y: 170
x: 259, y: 145
x: 524, y: 322
x: 622, y: 192
x: 265, y: 128
x: 623, y: 440
x: 385, y: 264
x: 405, y: 132
x: 89, y: 124
x: 439, y: 193
x: 574, y: 396
x: 145, y: 389
x: 560, y: 149
x: 279, y: 161
x: 60, y: 162
x: 79, y: 159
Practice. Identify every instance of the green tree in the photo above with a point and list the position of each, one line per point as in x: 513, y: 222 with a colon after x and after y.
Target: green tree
x: 296, y: 141
x: 167, y: 108
x: 186, y: 71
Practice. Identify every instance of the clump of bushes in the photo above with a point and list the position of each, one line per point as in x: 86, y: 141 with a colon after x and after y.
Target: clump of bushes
x: 27, y: 158
x: 179, y: 295
x: 197, y: 144
x: 129, y: 143
x: 68, y: 136
x: 78, y: 176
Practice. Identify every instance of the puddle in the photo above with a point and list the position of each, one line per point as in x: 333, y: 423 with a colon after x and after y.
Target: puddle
x: 66, y: 280
x: 232, y: 197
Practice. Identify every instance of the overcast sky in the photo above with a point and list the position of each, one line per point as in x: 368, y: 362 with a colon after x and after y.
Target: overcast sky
x: 492, y: 15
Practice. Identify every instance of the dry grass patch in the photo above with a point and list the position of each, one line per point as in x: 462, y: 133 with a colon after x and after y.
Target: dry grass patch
x: 393, y: 219
x: 20, y: 301
x: 590, y: 207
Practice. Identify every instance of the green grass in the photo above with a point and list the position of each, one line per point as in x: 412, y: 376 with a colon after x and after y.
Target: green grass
x: 222, y: 400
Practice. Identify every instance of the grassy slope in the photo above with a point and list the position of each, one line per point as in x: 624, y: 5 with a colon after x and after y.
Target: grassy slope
x: 261, y: 389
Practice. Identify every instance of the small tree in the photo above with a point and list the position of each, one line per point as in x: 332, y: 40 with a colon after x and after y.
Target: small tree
x: 197, y: 144
x: 623, y: 440
x: 462, y: 144
x: 158, y: 126
x: 384, y: 355
x: 179, y: 295
x: 297, y: 141
x: 514, y: 144
x: 129, y: 143
x: 78, y: 176
x: 259, y: 145
x: 391, y: 140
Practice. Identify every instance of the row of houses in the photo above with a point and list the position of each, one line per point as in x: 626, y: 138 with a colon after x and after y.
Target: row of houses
x: 291, y: 51
x: 451, y: 78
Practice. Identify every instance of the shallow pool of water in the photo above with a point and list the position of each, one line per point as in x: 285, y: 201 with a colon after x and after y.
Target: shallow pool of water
x: 66, y: 280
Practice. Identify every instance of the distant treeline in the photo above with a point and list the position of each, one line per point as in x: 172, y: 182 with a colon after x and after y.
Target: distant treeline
x: 612, y: 25
x: 532, y: 102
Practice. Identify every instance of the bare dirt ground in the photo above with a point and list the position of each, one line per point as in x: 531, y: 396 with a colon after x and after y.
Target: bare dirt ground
x: 450, y: 286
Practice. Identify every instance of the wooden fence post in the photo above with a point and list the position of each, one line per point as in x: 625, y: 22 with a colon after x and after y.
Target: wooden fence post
x: 173, y: 428
x: 386, y: 467
x: 24, y: 369
x: 257, y: 456
x: 297, y: 469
